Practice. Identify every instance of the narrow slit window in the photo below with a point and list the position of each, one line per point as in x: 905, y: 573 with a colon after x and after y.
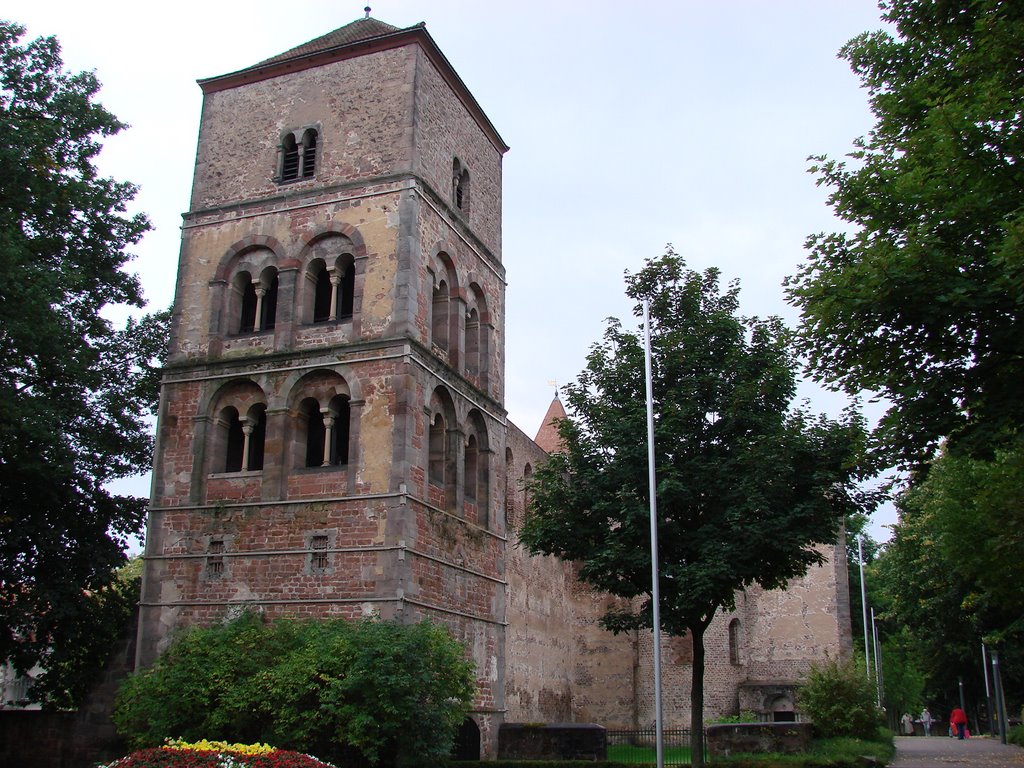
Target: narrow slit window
x: 215, y: 558
x: 319, y: 557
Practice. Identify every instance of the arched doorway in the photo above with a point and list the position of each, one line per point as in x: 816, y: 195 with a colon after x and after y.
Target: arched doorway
x: 782, y: 710
x: 467, y: 741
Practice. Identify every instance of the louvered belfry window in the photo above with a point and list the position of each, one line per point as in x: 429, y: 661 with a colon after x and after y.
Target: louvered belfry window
x: 290, y: 162
x: 298, y: 155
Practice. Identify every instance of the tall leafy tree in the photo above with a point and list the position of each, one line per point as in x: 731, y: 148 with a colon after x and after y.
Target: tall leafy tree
x: 749, y: 490
x: 74, y: 390
x: 922, y: 300
x: 949, y: 574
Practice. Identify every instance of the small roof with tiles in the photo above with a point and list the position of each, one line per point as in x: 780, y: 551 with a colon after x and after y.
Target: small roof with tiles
x: 356, y: 32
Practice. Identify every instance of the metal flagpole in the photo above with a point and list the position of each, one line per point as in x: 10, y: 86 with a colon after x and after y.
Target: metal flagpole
x: 988, y: 694
x: 864, y: 603
x: 652, y: 485
x: 997, y: 679
x: 878, y: 657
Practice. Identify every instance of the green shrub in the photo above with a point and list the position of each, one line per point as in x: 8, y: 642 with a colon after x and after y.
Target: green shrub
x: 840, y: 700
x: 1016, y: 735
x: 392, y: 692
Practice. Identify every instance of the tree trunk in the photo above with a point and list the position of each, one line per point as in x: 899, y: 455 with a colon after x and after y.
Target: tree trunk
x: 697, y: 699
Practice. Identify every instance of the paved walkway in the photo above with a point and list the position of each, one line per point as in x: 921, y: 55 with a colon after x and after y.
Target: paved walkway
x: 942, y: 751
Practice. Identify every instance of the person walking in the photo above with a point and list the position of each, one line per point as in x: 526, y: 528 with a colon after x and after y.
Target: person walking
x: 908, y: 724
x: 926, y: 721
x: 958, y: 719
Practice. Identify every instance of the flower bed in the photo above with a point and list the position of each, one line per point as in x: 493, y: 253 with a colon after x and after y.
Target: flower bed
x: 216, y: 754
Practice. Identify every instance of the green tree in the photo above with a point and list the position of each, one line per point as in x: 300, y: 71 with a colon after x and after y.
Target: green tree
x: 904, y: 679
x: 75, y: 666
x: 841, y: 700
x: 396, y: 693
x: 976, y: 508
x: 922, y: 301
x: 75, y: 391
x: 947, y: 576
x: 748, y: 490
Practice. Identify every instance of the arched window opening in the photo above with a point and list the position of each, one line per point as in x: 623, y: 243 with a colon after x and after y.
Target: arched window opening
x: 734, y: 641
x: 333, y: 290
x: 527, y: 476
x: 327, y: 431
x: 236, y: 440
x: 476, y: 482
x: 510, y: 502
x: 472, y: 469
x: 315, y: 432
x: 472, y: 346
x: 255, y: 429
x: 462, y: 192
x: 438, y: 451
x: 346, y: 301
x: 460, y: 185
x: 308, y: 160
x: 439, y: 317
x: 267, y: 300
x: 245, y: 437
x: 338, y: 425
x: 289, y: 158
x: 456, y: 178
x: 245, y: 287
x: 323, y: 292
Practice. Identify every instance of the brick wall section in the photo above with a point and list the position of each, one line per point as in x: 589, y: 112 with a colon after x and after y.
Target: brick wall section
x: 561, y: 666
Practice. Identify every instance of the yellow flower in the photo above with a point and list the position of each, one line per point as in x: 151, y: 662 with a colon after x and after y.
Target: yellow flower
x: 221, y: 746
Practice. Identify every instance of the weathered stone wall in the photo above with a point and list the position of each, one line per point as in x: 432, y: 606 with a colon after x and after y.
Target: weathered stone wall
x: 780, y: 634
x: 363, y: 107
x: 561, y: 665
x: 445, y: 130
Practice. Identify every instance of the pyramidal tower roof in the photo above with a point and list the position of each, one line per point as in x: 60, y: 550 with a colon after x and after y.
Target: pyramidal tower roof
x: 547, y: 437
x: 357, y: 31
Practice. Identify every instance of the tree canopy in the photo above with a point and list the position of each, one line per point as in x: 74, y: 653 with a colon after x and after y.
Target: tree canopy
x: 922, y: 301
x: 75, y: 391
x: 749, y: 490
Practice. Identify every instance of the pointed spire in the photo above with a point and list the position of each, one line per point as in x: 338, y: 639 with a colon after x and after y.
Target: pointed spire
x: 547, y: 437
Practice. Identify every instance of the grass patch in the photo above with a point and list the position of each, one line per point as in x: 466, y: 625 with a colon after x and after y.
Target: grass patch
x: 641, y: 755
x: 839, y: 752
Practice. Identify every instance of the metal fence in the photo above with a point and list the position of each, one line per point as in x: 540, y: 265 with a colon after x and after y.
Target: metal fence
x: 640, y: 746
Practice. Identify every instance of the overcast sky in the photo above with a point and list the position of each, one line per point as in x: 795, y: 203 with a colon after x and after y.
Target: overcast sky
x: 630, y: 126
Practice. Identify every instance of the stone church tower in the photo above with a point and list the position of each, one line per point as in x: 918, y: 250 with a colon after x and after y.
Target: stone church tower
x: 332, y: 404
x: 332, y: 438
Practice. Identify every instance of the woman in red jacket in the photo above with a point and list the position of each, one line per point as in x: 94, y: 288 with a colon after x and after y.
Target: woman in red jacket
x: 958, y: 719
